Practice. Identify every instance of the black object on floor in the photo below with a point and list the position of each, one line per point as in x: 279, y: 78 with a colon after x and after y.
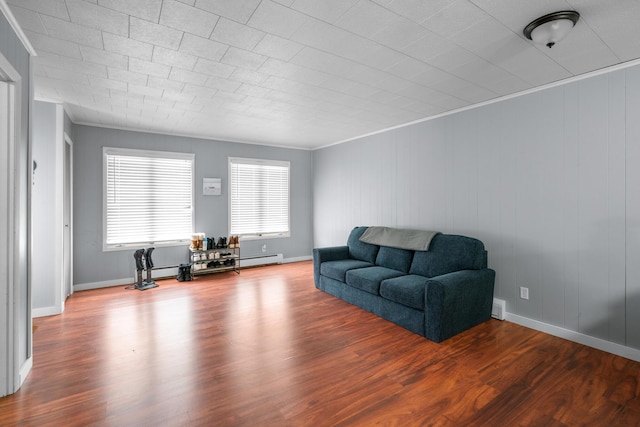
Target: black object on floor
x: 143, y: 259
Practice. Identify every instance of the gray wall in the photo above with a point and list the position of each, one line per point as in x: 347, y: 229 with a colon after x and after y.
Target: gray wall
x: 92, y: 265
x: 549, y: 181
x: 13, y: 50
x: 43, y: 192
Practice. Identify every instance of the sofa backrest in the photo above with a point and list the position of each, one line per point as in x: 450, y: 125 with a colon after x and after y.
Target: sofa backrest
x: 448, y: 253
x: 394, y: 258
x: 361, y: 250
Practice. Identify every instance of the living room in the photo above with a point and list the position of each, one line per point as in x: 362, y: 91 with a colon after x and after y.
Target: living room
x: 543, y: 176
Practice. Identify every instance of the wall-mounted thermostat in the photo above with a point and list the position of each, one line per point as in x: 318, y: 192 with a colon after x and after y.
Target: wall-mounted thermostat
x: 211, y: 186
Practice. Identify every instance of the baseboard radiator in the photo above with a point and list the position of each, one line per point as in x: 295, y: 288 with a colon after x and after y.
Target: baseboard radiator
x: 172, y: 270
x: 261, y: 260
x: 163, y: 272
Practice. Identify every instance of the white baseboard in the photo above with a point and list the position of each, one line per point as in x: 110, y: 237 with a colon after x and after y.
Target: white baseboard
x: 169, y: 272
x: 272, y: 259
x: 104, y: 284
x: 158, y: 273
x: 261, y: 260
x: 600, y: 344
x: 297, y: 259
x: 163, y: 273
x: 24, y: 371
x: 45, y: 311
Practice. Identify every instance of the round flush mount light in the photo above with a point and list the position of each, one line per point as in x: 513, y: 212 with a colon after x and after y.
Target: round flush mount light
x: 550, y: 29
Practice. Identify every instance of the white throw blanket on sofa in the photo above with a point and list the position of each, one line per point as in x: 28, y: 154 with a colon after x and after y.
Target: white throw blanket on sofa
x: 417, y: 240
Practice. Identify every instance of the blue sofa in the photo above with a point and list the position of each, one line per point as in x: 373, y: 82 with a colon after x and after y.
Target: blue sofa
x: 436, y: 293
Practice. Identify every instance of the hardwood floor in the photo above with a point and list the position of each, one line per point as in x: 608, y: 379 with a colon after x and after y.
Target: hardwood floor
x: 265, y: 348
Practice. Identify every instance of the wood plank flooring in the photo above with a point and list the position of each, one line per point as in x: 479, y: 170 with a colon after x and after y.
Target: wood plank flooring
x: 266, y: 348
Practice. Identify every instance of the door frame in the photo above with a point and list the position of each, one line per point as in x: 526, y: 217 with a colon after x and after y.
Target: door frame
x: 62, y: 140
x: 12, y: 371
x: 67, y: 219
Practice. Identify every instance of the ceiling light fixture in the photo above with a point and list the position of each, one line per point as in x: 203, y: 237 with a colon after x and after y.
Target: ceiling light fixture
x: 550, y: 29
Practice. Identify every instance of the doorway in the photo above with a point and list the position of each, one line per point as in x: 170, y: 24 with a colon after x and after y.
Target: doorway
x: 67, y: 214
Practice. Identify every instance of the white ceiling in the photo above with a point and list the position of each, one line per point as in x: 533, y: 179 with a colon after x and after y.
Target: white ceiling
x: 303, y: 73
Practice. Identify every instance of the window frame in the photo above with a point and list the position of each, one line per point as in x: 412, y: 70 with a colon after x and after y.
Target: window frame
x: 260, y: 162
x: 110, y: 151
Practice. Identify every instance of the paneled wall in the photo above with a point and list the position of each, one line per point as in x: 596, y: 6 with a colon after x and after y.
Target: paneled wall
x: 549, y: 181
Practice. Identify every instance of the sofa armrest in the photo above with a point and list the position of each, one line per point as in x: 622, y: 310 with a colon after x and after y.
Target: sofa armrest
x: 457, y: 301
x: 321, y: 255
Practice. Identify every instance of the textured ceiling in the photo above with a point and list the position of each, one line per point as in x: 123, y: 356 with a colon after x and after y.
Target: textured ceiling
x: 303, y: 73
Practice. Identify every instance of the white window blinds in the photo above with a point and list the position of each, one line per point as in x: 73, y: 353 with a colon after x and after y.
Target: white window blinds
x: 259, y: 197
x: 148, y: 197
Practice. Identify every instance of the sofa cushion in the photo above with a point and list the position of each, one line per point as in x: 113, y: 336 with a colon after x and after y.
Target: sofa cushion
x: 406, y: 290
x: 368, y: 279
x: 338, y: 269
x: 448, y: 253
x: 361, y: 250
x: 394, y: 258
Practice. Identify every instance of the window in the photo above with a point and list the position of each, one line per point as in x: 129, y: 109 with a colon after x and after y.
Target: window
x: 259, y: 198
x: 148, y: 198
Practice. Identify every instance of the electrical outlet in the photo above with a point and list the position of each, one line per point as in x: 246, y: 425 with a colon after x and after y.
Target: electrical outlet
x: 264, y: 248
x: 524, y: 292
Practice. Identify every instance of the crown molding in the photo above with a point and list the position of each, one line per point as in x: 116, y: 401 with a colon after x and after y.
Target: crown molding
x: 4, y: 7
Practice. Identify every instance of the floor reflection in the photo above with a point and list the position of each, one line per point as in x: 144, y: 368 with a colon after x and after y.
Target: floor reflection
x: 149, y: 346
x: 258, y: 322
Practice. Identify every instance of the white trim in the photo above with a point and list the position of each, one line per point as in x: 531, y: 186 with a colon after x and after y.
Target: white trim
x: 103, y: 284
x: 128, y: 281
x: 68, y: 141
x: 181, y: 134
x: 600, y: 344
x: 129, y: 246
x: 10, y: 296
x: 115, y: 151
x: 45, y: 311
x: 7, y: 70
x: 24, y: 370
x: 297, y: 259
x: 265, y: 236
x: 162, y: 273
x: 58, y: 217
x: 568, y: 80
x: 271, y: 259
x: 261, y: 260
x: 16, y: 28
x: 13, y: 239
x: 158, y: 273
x: 7, y: 319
